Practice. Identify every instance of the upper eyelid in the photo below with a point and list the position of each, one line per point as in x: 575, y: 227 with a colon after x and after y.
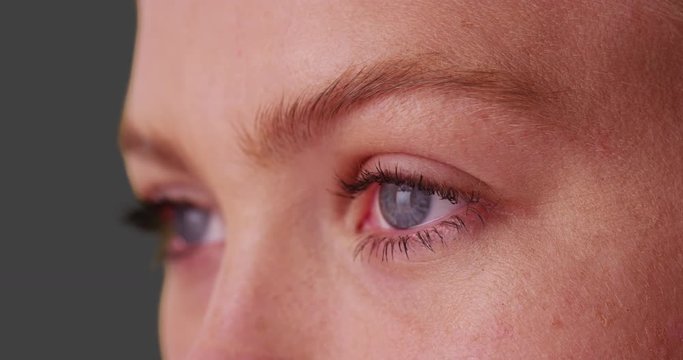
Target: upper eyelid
x: 398, y: 176
x: 177, y: 193
x: 434, y: 172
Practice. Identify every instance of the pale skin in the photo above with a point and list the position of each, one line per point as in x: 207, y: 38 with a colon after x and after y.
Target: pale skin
x: 576, y: 154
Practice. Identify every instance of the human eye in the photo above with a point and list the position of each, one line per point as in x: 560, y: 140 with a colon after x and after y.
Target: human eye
x: 182, y: 225
x: 406, y: 210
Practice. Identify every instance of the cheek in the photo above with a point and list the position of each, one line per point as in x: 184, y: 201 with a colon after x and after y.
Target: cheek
x: 597, y: 309
x: 187, y: 289
x: 449, y: 328
x: 435, y: 313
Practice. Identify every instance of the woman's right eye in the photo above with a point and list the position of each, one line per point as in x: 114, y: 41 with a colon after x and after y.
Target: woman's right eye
x: 182, y: 225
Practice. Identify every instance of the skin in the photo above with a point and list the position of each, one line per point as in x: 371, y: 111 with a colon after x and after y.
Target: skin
x: 581, y: 257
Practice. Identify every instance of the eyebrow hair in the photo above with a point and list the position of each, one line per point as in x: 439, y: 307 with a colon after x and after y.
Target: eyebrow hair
x: 288, y: 126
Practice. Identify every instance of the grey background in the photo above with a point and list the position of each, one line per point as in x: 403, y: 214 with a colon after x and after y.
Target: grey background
x: 75, y: 283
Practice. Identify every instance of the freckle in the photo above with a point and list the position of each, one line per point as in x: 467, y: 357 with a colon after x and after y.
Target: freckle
x: 603, y: 319
x: 467, y: 24
x: 557, y: 322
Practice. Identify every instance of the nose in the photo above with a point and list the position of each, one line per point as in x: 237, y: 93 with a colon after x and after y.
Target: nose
x: 270, y: 295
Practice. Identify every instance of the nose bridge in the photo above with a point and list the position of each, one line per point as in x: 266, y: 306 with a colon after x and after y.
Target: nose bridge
x: 271, y: 276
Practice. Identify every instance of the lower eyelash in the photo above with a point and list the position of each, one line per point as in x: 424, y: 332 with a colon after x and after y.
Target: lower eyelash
x: 385, y: 247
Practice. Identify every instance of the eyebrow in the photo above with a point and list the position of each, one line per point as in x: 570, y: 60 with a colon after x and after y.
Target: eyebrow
x: 285, y: 127
x: 288, y: 126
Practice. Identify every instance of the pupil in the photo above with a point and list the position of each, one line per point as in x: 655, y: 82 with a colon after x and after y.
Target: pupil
x: 403, y: 206
x: 190, y: 223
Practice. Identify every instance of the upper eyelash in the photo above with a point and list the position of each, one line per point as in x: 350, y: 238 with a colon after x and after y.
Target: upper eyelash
x: 380, y: 175
x: 146, y: 216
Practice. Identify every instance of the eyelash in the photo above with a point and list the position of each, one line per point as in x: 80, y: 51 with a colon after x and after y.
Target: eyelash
x: 149, y: 216
x: 385, y: 246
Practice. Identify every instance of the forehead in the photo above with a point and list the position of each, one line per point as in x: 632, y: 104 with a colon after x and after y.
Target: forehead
x: 217, y: 62
x: 234, y: 52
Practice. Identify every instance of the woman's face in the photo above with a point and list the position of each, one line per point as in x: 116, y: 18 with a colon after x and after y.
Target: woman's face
x: 413, y: 179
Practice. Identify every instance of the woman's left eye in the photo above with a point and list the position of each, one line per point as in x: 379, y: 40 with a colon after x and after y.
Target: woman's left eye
x: 404, y: 206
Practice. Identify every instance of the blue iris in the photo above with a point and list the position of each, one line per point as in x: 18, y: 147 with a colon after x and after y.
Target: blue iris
x: 190, y: 223
x: 403, y: 206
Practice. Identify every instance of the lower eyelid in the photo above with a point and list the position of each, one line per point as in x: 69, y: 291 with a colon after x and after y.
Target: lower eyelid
x: 176, y: 252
